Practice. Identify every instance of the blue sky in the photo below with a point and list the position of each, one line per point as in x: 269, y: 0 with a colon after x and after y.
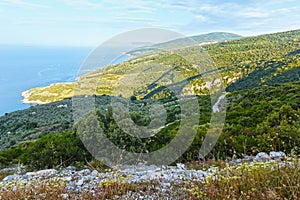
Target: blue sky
x: 90, y: 22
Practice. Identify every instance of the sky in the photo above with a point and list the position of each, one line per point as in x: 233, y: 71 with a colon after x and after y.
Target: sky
x: 91, y: 22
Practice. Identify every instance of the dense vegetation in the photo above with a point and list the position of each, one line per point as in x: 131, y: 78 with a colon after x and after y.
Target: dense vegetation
x: 261, y: 119
x: 264, y: 119
x: 261, y: 76
x: 257, y: 61
x: 35, y: 121
x: 51, y: 151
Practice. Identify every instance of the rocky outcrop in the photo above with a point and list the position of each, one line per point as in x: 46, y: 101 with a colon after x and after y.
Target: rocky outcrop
x: 89, y: 180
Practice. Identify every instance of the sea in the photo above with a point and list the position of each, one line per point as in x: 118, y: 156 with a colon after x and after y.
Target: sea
x: 26, y: 67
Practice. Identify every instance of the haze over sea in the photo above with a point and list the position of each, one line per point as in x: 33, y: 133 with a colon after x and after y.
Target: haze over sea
x: 25, y: 67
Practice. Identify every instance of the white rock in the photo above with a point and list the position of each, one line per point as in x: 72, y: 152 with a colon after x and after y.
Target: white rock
x: 64, y: 196
x: 180, y: 166
x: 79, y: 183
x: 95, y: 173
x: 45, y: 172
x: 68, y: 178
x: 85, y: 172
x: 72, y: 168
x: 9, y: 178
x: 5, y: 170
x: 277, y: 155
x: 262, y: 157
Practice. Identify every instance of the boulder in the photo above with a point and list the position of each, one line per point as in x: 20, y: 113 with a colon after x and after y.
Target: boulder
x: 64, y: 196
x: 71, y: 168
x: 10, y: 178
x: 85, y: 172
x: 262, y: 157
x: 180, y: 166
x: 277, y: 155
x: 95, y: 173
x: 46, y: 172
x: 80, y: 182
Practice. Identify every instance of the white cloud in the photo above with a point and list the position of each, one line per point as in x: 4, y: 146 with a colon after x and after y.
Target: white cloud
x: 201, y: 18
x: 107, y: 17
x: 139, y: 9
x: 228, y: 9
x: 132, y: 6
x: 134, y: 20
x: 87, y: 21
x: 249, y: 16
x: 83, y: 4
x: 21, y: 3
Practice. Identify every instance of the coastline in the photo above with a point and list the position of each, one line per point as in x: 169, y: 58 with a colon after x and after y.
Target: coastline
x: 41, y: 90
x: 26, y: 94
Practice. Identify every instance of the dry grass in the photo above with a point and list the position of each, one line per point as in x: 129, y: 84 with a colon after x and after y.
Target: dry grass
x: 265, y: 181
x: 261, y: 181
x: 109, y: 189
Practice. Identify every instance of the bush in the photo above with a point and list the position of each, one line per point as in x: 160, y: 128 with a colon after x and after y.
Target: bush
x: 55, y: 150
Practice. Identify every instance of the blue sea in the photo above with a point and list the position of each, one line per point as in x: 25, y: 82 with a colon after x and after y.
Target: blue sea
x: 25, y: 67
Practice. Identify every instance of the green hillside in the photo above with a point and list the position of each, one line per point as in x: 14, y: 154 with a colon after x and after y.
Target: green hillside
x: 202, y: 39
x: 244, y: 64
x: 261, y: 119
x: 260, y: 74
x: 199, y: 39
x: 257, y: 61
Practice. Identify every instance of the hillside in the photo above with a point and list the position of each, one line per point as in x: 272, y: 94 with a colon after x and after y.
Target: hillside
x: 107, y: 78
x: 203, y: 39
x: 261, y: 119
x: 261, y: 76
x: 243, y: 63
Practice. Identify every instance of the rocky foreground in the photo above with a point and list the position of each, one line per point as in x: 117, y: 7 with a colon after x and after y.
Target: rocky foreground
x: 164, y: 179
